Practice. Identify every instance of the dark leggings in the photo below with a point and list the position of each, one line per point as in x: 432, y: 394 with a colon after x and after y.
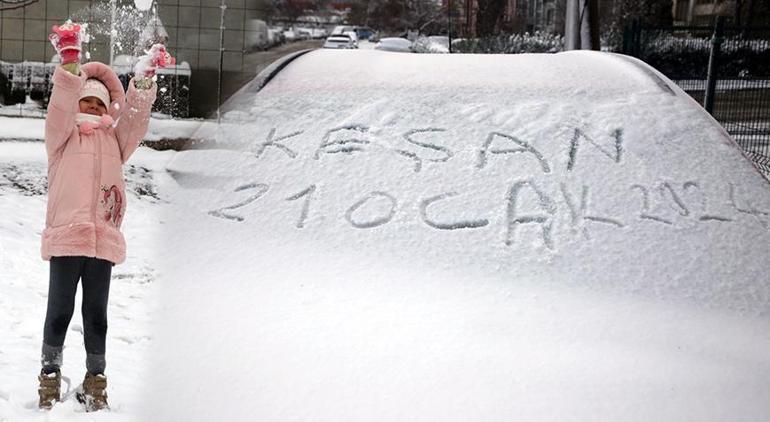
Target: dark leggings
x: 65, y: 272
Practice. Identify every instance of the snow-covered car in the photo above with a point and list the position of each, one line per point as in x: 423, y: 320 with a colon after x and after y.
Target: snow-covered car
x: 440, y: 40
x: 365, y: 33
x: 318, y: 33
x: 341, y: 29
x: 256, y: 35
x: 290, y: 35
x: 353, y: 37
x: 339, y: 41
x: 362, y: 32
x: 275, y: 35
x: 310, y: 32
x: 440, y: 237
x: 401, y: 45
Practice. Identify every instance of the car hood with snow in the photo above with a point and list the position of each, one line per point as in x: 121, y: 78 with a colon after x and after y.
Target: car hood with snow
x: 462, y: 237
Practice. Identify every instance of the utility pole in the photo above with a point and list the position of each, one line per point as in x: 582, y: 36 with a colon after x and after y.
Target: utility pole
x: 572, y: 25
x: 449, y: 23
x: 113, y: 31
x: 581, y: 26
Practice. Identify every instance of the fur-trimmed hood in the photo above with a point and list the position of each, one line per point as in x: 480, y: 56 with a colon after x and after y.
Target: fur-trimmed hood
x: 109, y: 78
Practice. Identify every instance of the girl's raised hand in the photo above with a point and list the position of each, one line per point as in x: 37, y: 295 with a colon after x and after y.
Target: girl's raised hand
x: 153, y: 59
x: 67, y: 39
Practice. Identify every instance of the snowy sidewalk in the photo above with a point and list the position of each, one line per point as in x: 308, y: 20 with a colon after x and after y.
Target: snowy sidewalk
x: 24, y: 286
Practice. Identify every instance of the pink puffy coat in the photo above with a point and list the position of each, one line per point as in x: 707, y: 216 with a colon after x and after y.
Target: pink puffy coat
x: 86, y: 188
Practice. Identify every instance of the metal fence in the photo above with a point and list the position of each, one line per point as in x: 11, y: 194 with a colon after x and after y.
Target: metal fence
x: 727, y: 69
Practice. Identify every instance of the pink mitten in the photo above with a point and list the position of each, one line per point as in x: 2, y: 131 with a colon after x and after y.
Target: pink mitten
x: 154, y: 58
x: 67, y: 39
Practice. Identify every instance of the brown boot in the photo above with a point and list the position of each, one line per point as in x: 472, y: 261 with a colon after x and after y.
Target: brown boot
x: 94, y: 394
x: 49, y: 390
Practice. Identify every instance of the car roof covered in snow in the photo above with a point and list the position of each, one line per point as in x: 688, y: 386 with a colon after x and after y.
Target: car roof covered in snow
x: 578, y: 72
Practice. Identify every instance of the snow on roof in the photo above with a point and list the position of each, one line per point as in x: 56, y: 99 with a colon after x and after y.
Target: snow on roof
x: 449, y: 237
x: 542, y: 74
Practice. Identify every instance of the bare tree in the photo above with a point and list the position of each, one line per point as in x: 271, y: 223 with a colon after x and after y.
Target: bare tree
x: 488, y: 17
x: 752, y: 12
x: 265, y: 10
x: 293, y: 9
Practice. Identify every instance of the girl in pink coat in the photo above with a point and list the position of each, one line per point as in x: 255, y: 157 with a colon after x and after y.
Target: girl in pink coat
x: 91, y: 130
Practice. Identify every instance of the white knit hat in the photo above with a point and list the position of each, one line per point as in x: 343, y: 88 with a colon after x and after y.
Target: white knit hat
x: 95, y: 88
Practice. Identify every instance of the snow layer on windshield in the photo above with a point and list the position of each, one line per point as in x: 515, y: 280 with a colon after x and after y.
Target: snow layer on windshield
x: 619, y: 184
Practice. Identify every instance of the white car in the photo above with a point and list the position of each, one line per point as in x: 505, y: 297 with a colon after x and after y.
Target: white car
x: 341, y: 29
x: 340, y: 41
x: 290, y: 35
x: 353, y: 37
x: 465, y: 237
x: 400, y: 45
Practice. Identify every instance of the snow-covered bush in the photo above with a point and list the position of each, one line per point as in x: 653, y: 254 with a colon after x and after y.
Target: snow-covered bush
x: 431, y: 45
x: 538, y: 42
x: 681, y: 56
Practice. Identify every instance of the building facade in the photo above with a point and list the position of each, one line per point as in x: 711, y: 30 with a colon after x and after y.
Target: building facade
x: 193, y: 28
x: 545, y: 16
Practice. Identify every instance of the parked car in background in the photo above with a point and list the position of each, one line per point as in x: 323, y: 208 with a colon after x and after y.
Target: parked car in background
x: 311, y: 33
x: 340, y: 41
x: 275, y: 36
x: 341, y: 29
x: 400, y: 45
x: 353, y: 37
x: 362, y: 32
x: 289, y: 35
x: 257, y: 35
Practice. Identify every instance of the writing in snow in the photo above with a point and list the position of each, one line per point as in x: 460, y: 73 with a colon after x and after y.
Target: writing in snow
x: 351, y: 139
x: 527, y: 202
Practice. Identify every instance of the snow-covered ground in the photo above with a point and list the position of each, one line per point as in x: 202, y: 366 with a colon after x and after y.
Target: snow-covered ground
x: 24, y: 286
x: 429, y: 237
